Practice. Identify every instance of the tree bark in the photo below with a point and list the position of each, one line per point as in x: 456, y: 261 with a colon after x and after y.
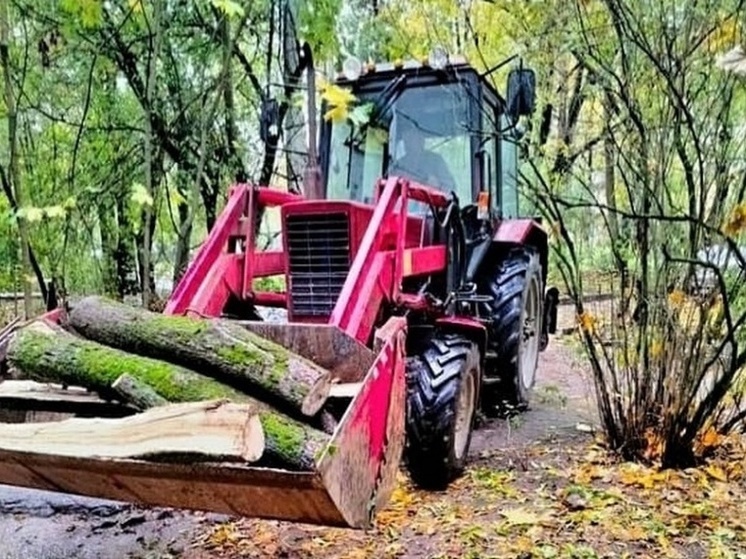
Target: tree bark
x: 210, y: 431
x: 14, y: 167
x: 45, y: 352
x: 218, y: 348
x: 149, y: 145
x: 141, y: 395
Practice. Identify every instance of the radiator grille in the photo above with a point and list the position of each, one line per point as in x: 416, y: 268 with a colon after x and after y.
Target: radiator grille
x: 319, y: 261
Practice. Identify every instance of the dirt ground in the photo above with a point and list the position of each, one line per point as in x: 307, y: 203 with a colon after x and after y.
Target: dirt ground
x: 559, y: 419
x: 40, y: 524
x: 537, y: 486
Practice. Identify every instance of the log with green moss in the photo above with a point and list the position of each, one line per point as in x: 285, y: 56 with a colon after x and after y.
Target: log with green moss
x: 45, y: 352
x: 219, y: 348
x: 141, y: 395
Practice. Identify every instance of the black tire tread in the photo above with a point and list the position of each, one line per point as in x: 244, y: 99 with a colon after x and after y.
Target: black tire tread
x: 506, y: 283
x: 433, y: 382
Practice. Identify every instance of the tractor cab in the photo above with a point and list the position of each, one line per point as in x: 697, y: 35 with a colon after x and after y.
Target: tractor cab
x: 439, y: 123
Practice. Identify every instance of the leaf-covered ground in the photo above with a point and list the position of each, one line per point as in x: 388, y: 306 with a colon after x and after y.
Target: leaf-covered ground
x: 556, y: 498
x: 538, y: 486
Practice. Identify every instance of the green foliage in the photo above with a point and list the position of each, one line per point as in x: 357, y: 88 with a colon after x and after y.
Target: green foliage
x: 317, y: 26
x: 229, y: 8
x: 89, y: 12
x: 645, y: 205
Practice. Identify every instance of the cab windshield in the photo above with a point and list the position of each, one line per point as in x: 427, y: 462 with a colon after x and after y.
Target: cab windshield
x: 427, y: 139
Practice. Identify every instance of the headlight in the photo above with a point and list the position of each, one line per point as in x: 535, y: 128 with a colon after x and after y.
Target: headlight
x: 352, y: 68
x: 438, y: 58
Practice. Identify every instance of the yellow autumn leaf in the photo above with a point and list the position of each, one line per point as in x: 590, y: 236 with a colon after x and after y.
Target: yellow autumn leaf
x: 588, y: 472
x: 339, y: 100
x: 520, y: 516
x: 634, y: 474
x: 676, y: 299
x: 587, y: 322
x: 716, y: 472
x: 224, y: 535
x: 140, y: 195
x: 229, y: 7
x: 177, y: 198
x: 31, y: 214
x: 725, y: 35
x: 336, y: 114
x: 135, y: 6
x: 735, y: 223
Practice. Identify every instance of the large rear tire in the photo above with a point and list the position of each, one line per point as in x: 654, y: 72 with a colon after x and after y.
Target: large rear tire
x: 515, y: 284
x: 443, y: 384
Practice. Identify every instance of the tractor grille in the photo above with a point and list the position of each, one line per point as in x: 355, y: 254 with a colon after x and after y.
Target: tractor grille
x: 319, y: 261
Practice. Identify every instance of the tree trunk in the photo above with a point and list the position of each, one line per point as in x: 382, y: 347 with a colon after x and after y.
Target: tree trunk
x: 183, y: 238
x: 14, y: 168
x: 219, y: 348
x: 109, y: 238
x: 211, y: 431
x: 125, y: 255
x: 294, y: 125
x: 155, y: 51
x: 45, y: 352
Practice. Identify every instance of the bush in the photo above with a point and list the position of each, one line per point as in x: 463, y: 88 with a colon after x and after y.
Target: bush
x: 658, y: 187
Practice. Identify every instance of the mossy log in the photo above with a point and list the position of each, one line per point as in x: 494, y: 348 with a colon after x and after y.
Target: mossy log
x: 141, y: 395
x: 45, y: 352
x: 219, y: 348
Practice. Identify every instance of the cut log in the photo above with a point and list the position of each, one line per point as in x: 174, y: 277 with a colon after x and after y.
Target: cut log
x: 214, y: 347
x: 211, y: 431
x: 45, y: 352
x: 135, y: 392
x: 26, y: 401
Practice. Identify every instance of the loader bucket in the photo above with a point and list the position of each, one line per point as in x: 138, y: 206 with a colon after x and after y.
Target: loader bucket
x: 354, y: 475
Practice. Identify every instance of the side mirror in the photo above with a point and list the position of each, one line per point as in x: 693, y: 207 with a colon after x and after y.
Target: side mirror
x: 521, y: 92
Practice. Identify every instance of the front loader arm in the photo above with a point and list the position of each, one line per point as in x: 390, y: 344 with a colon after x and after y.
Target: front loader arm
x: 227, y: 263
x: 383, y: 259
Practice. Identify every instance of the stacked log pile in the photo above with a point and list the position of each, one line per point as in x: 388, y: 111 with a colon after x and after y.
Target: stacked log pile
x: 238, y: 394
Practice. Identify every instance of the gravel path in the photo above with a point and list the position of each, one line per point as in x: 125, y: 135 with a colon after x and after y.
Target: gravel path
x: 39, y: 525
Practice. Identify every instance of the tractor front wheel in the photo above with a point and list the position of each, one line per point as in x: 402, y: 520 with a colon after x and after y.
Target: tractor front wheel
x: 443, y: 383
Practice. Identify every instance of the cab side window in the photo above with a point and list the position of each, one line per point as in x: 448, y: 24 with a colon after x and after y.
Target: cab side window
x: 509, y: 172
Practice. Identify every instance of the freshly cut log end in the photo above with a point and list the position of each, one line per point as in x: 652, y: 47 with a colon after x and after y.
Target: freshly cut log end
x: 208, y: 431
x: 219, y: 348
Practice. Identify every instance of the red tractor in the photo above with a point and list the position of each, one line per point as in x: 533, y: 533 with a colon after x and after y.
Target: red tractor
x: 414, y: 213
x: 409, y: 274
